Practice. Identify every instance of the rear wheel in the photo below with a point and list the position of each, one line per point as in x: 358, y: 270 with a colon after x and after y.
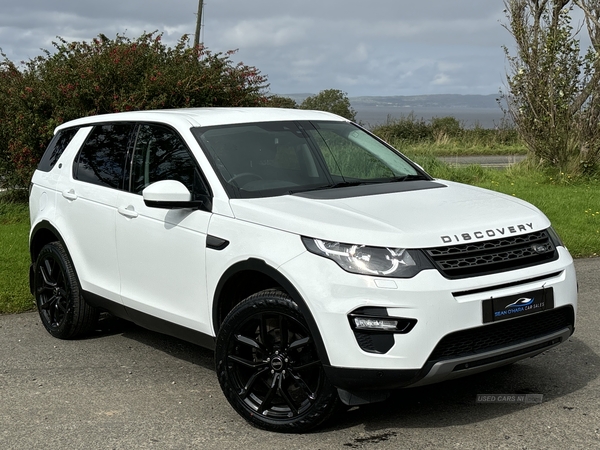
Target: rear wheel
x: 268, y: 366
x: 63, y: 311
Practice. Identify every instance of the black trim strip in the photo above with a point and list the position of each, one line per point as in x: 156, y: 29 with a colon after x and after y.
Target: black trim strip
x: 178, y: 331
x: 371, y: 189
x: 523, y: 351
x: 116, y: 309
x: 150, y: 322
x: 371, y: 379
x: 505, y: 285
x: 216, y: 243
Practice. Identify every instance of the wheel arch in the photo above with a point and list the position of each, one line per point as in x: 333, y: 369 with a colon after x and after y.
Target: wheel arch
x: 42, y: 233
x: 254, y: 275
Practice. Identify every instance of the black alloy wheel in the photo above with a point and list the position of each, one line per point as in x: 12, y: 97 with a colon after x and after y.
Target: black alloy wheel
x: 63, y: 311
x: 269, y: 368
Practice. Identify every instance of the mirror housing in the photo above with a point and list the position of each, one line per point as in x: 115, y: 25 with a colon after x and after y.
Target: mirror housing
x: 171, y: 194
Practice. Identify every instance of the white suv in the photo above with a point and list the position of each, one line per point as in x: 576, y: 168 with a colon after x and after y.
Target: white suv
x: 319, y: 263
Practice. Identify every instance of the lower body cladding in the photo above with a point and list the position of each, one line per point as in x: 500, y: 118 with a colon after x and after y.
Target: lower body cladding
x: 384, y: 334
x: 461, y: 354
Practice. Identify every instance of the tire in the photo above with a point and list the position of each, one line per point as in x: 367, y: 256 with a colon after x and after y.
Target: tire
x: 63, y: 311
x: 274, y: 380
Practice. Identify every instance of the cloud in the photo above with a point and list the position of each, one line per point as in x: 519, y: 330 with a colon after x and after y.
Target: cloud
x: 384, y: 47
x: 268, y: 32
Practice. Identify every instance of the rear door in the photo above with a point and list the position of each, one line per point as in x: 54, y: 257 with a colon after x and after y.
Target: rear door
x: 86, y: 207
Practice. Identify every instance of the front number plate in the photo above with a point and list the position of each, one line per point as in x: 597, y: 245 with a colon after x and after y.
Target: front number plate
x: 495, y: 309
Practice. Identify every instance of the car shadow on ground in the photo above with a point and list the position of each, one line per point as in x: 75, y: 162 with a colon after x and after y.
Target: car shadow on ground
x: 109, y: 325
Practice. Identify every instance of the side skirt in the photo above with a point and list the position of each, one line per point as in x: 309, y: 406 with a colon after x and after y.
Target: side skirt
x: 150, y: 322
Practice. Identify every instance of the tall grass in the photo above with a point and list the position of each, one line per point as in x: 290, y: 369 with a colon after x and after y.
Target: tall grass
x: 447, y: 136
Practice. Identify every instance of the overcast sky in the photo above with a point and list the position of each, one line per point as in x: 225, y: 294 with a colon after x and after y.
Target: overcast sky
x: 376, y: 47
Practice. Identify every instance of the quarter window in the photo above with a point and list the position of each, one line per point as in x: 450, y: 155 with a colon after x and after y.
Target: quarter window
x: 102, y: 158
x: 56, y: 148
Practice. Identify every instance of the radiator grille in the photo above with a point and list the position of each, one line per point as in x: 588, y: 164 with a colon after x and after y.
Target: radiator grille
x: 498, y: 255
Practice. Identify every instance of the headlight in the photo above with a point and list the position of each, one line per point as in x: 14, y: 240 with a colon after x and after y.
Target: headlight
x: 364, y: 260
x: 555, y: 238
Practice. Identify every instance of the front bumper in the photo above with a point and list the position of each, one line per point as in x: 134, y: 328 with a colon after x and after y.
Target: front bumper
x: 436, y: 370
x: 442, y: 308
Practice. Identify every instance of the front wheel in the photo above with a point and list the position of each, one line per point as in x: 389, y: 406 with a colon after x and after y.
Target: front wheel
x: 63, y: 310
x: 268, y: 365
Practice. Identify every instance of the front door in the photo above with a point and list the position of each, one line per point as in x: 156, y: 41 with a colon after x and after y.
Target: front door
x: 161, y: 252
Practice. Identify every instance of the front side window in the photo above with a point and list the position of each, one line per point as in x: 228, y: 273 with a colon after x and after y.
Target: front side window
x: 160, y: 154
x: 102, y: 158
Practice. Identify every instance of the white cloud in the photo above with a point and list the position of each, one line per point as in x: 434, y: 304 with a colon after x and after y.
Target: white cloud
x: 441, y: 79
x: 271, y: 32
x: 358, y: 55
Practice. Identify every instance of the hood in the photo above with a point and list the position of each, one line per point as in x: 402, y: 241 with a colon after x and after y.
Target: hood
x: 449, y: 213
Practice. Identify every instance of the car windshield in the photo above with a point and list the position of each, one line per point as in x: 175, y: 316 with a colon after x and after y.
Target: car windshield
x: 276, y: 158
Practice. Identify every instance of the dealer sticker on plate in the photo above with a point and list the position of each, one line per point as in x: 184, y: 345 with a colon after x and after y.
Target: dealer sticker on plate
x: 495, y: 309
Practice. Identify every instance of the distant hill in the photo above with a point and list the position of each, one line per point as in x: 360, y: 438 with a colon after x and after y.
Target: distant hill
x: 429, y: 101
x: 417, y: 101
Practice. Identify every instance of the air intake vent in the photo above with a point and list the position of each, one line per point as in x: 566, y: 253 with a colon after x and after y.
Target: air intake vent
x: 503, y: 334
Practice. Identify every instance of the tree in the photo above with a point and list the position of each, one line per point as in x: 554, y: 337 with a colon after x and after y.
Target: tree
x: 553, y: 88
x: 277, y: 101
x: 110, y: 75
x: 331, y: 100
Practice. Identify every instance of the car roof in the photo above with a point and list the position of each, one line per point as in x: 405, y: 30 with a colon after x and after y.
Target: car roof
x: 196, y: 117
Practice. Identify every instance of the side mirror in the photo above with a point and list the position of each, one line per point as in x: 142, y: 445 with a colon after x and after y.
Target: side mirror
x: 171, y: 194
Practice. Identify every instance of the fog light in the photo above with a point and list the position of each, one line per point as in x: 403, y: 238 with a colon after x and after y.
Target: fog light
x: 370, y: 323
x: 375, y: 320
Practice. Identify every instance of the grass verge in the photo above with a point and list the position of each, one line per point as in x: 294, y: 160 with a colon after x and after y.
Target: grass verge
x: 14, y: 259
x: 456, y: 148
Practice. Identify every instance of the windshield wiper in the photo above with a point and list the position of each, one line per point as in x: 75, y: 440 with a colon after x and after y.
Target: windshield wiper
x: 406, y: 178
x: 341, y: 184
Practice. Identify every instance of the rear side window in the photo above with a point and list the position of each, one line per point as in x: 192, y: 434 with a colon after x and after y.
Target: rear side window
x: 57, y: 146
x: 102, y: 158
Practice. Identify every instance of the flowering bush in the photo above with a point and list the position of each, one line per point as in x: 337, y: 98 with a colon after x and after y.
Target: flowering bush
x: 105, y: 76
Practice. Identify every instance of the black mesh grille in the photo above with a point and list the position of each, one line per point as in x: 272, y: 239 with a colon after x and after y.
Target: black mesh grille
x: 498, y: 255
x: 365, y: 342
x: 503, y: 334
